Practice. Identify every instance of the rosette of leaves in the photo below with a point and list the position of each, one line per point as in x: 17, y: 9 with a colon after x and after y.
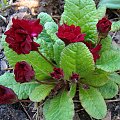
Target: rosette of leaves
x: 97, y: 81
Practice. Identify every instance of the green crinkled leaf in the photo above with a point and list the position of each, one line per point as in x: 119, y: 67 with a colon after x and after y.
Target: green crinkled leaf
x: 76, y: 58
x: 97, y: 78
x: 49, y: 42
x: 101, y: 11
x: 51, y: 29
x: 46, y: 47
x: 93, y: 102
x: 106, y: 44
x: 40, y: 93
x: 22, y: 90
x: 83, y: 13
x: 47, y: 38
x: 61, y: 107
x: 58, y: 47
x: 113, y: 4
x: 115, y: 78
x: 72, y: 91
x: 41, y: 67
x: 109, y: 90
x: 109, y: 61
x: 44, y: 17
x: 115, y: 26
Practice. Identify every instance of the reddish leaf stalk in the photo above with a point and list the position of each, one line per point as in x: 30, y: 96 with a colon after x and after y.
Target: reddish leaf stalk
x: 45, y: 58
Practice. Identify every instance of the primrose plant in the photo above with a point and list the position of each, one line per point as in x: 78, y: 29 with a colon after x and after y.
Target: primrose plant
x: 51, y: 62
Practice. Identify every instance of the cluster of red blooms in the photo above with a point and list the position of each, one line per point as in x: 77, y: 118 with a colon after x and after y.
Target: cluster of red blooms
x: 20, y: 38
x: 72, y: 34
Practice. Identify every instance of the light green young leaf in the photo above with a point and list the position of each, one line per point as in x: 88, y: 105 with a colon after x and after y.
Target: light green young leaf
x: 46, y: 46
x: 115, y: 78
x: 40, y: 92
x: 41, y: 66
x: 47, y: 38
x: 93, y: 102
x: 115, y: 26
x: 22, y: 90
x: 61, y: 107
x: 83, y: 13
x: 109, y: 90
x: 76, y: 58
x: 97, y: 78
x: 101, y: 11
x: 51, y: 29
x: 106, y: 44
x: 109, y: 61
x: 49, y: 42
x: 44, y: 17
x: 58, y: 47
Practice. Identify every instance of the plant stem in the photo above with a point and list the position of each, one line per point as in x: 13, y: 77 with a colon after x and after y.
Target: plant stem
x: 46, y: 58
x: 109, y: 101
x: 25, y: 111
x: 99, y: 39
x: 47, y: 83
x: 28, y: 101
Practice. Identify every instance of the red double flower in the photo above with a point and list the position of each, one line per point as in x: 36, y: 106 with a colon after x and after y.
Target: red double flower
x: 20, y: 35
x: 70, y: 34
x: 23, y: 72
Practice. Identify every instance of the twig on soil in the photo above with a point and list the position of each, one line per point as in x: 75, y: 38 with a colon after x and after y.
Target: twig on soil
x: 109, y: 101
x: 116, y: 13
x: 26, y: 112
x: 7, y: 69
x: 3, y: 18
x: 39, y: 112
x: 114, y: 35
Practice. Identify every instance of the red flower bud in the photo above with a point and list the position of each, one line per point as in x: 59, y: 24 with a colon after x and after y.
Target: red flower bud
x: 57, y: 73
x: 20, y: 35
x: 23, y: 72
x: 103, y: 27
x: 7, y: 96
x: 70, y: 34
x: 74, y: 77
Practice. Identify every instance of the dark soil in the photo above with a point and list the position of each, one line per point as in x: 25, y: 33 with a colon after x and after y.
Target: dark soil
x: 22, y: 111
